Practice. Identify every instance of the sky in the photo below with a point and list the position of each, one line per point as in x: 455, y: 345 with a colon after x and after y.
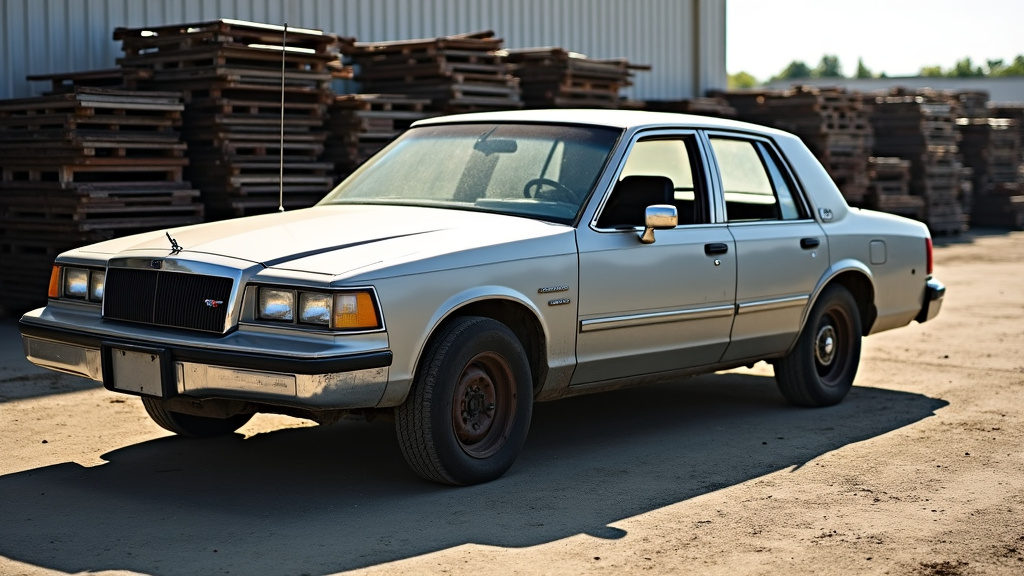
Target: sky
x: 897, y: 37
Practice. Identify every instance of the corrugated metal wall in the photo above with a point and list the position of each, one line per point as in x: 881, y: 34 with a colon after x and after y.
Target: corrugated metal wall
x: 684, y: 40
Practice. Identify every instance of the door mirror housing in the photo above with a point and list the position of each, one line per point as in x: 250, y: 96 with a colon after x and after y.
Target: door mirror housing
x: 658, y: 217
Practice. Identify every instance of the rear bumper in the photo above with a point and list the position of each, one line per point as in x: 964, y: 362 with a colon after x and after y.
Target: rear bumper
x: 934, y: 292
x: 260, y: 373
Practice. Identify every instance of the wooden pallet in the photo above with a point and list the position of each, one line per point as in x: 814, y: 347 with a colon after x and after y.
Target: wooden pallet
x: 455, y: 73
x: 359, y: 125
x: 554, y: 77
x: 223, y: 32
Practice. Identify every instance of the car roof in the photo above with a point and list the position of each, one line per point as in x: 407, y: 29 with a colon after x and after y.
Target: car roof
x: 623, y: 119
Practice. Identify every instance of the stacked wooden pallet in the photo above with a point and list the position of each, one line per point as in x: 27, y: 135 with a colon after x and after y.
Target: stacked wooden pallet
x: 992, y: 145
x: 461, y: 73
x: 831, y: 122
x: 114, y: 78
x: 358, y: 125
x: 711, y: 106
x: 552, y: 77
x: 889, y: 188
x: 921, y: 128
x: 235, y: 78
x: 81, y: 166
x: 1014, y: 112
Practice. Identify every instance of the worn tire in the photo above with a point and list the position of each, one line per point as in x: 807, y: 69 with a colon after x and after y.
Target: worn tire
x: 820, y: 369
x: 190, y: 425
x: 468, y: 411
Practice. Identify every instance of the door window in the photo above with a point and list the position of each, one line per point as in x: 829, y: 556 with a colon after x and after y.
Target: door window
x: 753, y: 184
x: 672, y: 158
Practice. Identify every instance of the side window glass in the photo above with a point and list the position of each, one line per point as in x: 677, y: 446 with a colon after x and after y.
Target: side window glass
x: 784, y: 190
x: 745, y: 182
x: 672, y: 158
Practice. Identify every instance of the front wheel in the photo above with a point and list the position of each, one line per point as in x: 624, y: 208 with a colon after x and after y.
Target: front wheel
x: 466, y: 417
x: 820, y: 369
x: 190, y: 425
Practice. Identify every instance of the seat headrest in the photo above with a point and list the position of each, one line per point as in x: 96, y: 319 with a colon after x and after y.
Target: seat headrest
x: 631, y: 197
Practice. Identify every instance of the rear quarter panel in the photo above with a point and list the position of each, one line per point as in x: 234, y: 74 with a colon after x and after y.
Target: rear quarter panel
x: 898, y: 262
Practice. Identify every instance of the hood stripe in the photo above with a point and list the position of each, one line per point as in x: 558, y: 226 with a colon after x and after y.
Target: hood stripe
x: 292, y: 257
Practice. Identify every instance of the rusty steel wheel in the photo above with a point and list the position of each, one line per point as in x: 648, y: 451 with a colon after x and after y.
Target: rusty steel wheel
x: 466, y: 417
x: 483, y: 407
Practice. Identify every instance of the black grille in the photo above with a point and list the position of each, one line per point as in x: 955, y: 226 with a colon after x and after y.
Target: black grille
x: 167, y: 298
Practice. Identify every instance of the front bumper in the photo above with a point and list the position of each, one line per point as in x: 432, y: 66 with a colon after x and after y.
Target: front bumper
x: 258, y: 367
x: 934, y: 292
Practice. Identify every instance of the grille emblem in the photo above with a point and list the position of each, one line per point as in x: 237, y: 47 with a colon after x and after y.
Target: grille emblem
x: 156, y: 264
x: 211, y: 303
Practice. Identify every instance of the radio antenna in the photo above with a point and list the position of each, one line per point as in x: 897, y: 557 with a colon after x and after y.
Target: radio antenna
x: 280, y: 169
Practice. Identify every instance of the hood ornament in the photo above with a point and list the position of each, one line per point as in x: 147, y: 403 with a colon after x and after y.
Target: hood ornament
x: 175, y: 248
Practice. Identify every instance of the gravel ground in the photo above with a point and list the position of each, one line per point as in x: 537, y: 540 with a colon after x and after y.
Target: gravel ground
x: 919, y: 471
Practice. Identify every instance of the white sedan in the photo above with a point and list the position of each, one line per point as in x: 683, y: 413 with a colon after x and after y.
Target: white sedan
x: 484, y: 262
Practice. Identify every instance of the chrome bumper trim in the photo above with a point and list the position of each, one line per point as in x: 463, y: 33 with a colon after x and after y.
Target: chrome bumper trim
x: 354, y: 380
x: 934, y: 292
x: 69, y: 358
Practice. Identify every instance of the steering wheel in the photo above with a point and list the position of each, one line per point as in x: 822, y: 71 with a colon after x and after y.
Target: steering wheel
x: 559, y: 192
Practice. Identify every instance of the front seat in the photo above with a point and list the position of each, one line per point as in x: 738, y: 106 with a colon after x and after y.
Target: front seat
x: 630, y: 199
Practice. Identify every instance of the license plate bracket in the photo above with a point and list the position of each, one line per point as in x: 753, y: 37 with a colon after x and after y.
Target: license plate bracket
x: 138, y: 370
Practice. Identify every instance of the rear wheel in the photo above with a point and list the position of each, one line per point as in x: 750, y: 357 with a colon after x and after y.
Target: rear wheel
x: 820, y: 369
x: 190, y: 425
x: 466, y: 417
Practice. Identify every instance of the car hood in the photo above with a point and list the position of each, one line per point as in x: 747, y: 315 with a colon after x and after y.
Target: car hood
x: 309, y: 240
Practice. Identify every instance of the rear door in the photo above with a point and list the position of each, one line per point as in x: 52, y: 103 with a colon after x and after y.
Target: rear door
x: 781, y: 252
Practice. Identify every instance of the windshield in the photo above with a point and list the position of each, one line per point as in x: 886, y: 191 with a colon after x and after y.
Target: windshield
x: 540, y: 171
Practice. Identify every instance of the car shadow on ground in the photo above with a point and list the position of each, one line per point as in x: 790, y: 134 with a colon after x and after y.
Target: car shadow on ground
x: 327, y: 499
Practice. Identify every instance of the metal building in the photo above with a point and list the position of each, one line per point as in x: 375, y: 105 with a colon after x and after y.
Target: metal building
x: 683, y: 40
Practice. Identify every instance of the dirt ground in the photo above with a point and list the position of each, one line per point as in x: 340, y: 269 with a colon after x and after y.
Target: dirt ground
x: 919, y: 471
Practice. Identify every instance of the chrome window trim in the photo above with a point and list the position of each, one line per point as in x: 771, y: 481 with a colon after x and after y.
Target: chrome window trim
x: 770, y: 222
x: 613, y: 322
x: 772, y: 304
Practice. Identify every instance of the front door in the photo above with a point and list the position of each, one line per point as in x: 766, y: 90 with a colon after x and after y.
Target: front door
x: 649, y: 308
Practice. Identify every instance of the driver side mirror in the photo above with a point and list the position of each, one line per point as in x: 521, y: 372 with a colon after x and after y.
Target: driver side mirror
x: 658, y: 217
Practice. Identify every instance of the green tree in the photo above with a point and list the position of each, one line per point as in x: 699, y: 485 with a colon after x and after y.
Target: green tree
x: 966, y: 69
x: 741, y: 81
x: 1015, y: 68
x: 829, y: 67
x: 862, y: 70
x: 931, y: 71
x: 796, y: 69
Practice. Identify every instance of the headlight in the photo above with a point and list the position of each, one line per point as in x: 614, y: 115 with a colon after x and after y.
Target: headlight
x: 277, y: 304
x: 315, y: 308
x: 96, y: 279
x: 355, y: 310
x: 76, y: 283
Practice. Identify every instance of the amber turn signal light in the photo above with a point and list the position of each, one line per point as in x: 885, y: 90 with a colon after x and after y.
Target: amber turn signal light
x: 54, y: 290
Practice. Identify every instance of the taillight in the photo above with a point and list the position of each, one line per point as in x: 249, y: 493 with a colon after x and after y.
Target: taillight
x: 931, y: 259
